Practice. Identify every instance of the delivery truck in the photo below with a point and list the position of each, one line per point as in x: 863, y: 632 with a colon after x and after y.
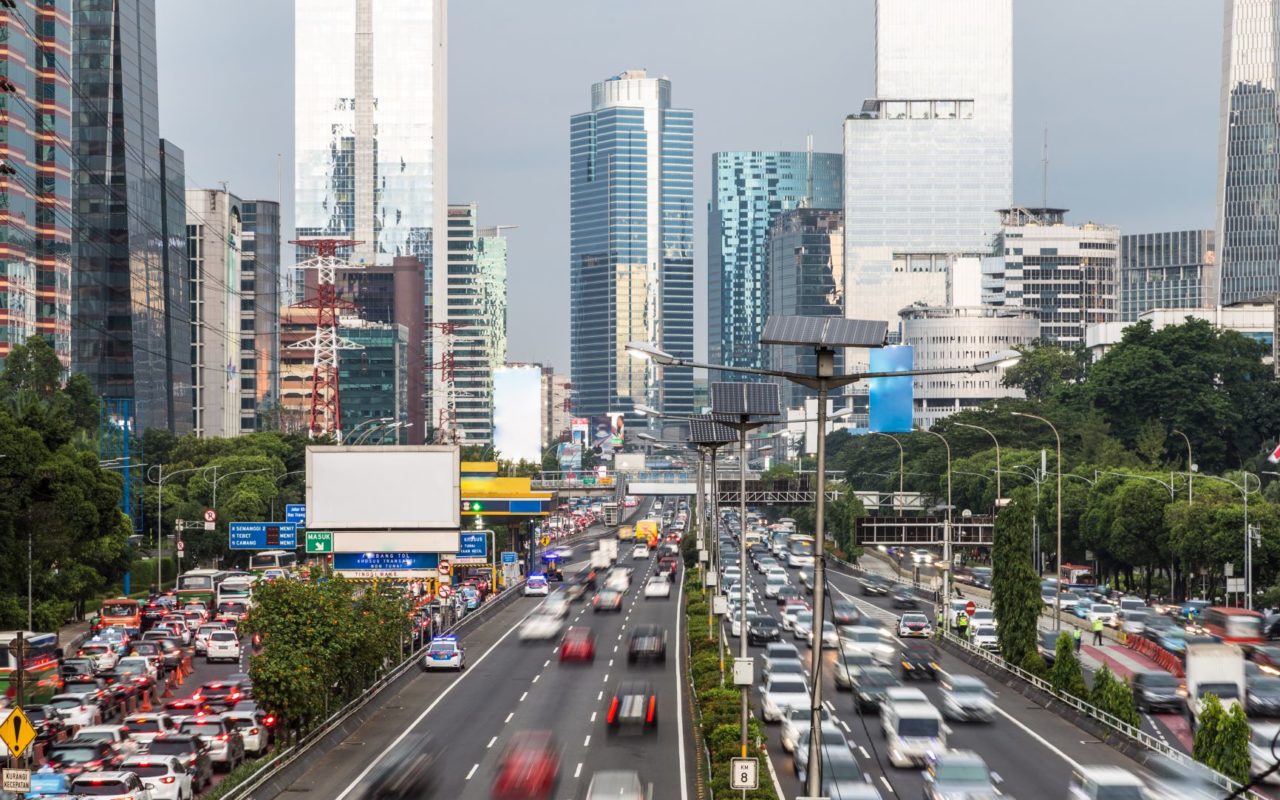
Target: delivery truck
x: 1216, y: 669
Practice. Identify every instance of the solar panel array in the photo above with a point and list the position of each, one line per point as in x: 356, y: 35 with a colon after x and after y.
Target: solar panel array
x: 730, y: 401
x: 828, y: 331
x: 704, y: 431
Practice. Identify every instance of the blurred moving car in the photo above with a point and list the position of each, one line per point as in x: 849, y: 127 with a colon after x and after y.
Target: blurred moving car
x: 408, y: 773
x: 967, y: 699
x: 959, y: 775
x: 618, y: 785
x: 528, y: 769
x: 633, y: 707
x: 578, y: 644
x: 164, y: 776
x: 540, y: 626
x: 647, y: 642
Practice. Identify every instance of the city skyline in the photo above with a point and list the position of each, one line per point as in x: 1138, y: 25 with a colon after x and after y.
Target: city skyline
x: 1097, y: 165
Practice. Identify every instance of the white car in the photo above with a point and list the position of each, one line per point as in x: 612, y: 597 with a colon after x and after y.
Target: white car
x: 536, y: 586
x: 657, y: 586
x: 444, y: 652
x: 104, y: 654
x: 865, y: 640
x: 773, y: 583
x: 830, y: 636
x: 201, y: 639
x: 115, y: 735
x: 75, y: 710
x: 1102, y: 611
x: 780, y: 693
x: 640, y: 551
x: 557, y: 603
x: 163, y: 776
x: 801, y: 624
x: 144, y: 727
x: 253, y: 729
x: 983, y: 616
x: 795, y: 724
x: 540, y: 626
x: 914, y: 624
x: 222, y: 646
x: 115, y: 785
x: 984, y: 636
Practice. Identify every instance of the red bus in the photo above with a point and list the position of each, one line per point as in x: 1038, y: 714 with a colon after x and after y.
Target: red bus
x: 1233, y: 625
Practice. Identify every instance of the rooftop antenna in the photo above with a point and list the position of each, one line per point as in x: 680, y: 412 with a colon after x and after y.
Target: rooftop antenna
x: 1044, y: 166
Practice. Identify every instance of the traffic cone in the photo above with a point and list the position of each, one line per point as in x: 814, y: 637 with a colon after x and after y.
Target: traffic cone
x: 146, y: 701
x: 168, y: 689
x: 177, y: 675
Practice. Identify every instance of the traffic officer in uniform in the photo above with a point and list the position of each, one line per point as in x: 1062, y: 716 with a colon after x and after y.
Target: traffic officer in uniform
x: 1097, y: 631
x: 1077, y: 634
x: 962, y: 624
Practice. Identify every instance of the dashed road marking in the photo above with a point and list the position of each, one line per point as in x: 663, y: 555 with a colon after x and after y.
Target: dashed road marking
x: 546, y: 663
x: 587, y: 741
x: 535, y: 677
x: 489, y: 746
x: 885, y: 781
x: 522, y: 697
x: 577, y: 770
x: 593, y: 716
x: 508, y: 719
x: 606, y: 677
x: 864, y: 752
x: 474, y: 767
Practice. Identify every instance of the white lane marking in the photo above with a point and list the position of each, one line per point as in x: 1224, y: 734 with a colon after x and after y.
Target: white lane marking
x: 593, y: 716
x: 474, y: 767
x: 587, y: 742
x: 599, y: 697
x: 555, y: 650
x: 489, y: 746
x: 619, y: 637
x: 611, y: 662
x: 864, y: 752
x: 606, y: 677
x: 546, y: 663
x: 885, y: 781
x: 1074, y: 764
x: 577, y: 770
x: 684, y: 777
x: 443, y: 694
x: 615, y: 648
x: 827, y: 705
x: 508, y: 719
x: 845, y: 725
x: 522, y: 697
x: 535, y: 677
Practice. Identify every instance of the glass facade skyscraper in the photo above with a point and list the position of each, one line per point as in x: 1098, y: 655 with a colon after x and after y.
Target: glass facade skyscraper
x: 35, y: 259
x: 1248, y: 225
x: 1169, y: 269
x: 259, y: 310
x: 118, y: 336
x: 748, y: 191
x: 929, y: 159
x: 805, y: 257
x: 630, y: 246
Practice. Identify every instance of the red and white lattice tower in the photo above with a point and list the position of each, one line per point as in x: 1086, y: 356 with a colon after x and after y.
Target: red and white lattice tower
x: 445, y: 391
x: 326, y: 400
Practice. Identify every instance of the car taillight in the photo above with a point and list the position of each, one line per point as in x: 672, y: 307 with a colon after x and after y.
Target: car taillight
x: 168, y: 779
x: 653, y: 707
x: 613, y: 711
x: 270, y: 720
x: 222, y: 737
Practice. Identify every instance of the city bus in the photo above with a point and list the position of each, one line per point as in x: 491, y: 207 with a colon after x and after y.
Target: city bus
x: 40, y: 667
x: 273, y: 559
x: 1076, y: 576
x: 1233, y: 625
x: 200, y: 585
x: 122, y: 612
x: 799, y: 550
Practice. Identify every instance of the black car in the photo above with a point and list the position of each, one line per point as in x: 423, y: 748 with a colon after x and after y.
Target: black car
x: 48, y: 724
x: 633, y: 707
x: 787, y: 592
x: 874, y: 585
x: 82, y: 755
x: 844, y: 612
x: 71, y: 667
x: 190, y: 750
x: 648, y: 642
x: 1156, y: 691
x: 903, y: 597
x: 870, y: 686
x: 1262, y: 696
x: 919, y: 660
x: 762, y: 628
x: 1048, y: 646
x: 981, y: 577
x: 122, y: 686
x: 1157, y: 625
x: 408, y: 774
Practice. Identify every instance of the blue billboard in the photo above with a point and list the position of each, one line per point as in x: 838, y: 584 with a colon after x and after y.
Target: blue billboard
x: 891, y: 398
x: 296, y: 513
x: 388, y: 561
x: 262, y: 536
x: 473, y: 545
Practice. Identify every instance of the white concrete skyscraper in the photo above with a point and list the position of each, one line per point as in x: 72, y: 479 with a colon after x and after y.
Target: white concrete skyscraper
x: 370, y: 132
x: 1248, y: 223
x: 929, y: 159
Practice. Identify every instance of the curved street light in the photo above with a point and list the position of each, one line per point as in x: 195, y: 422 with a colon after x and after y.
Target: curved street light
x: 159, y: 480
x: 988, y: 432
x: 1057, y: 596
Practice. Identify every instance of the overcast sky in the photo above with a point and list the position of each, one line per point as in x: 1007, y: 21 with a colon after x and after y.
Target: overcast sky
x: 1128, y: 90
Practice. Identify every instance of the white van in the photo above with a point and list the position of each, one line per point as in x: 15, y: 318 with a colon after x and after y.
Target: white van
x: 241, y: 590
x: 913, y: 730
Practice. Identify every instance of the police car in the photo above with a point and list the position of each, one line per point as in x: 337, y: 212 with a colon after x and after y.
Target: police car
x: 444, y: 652
x: 536, y: 586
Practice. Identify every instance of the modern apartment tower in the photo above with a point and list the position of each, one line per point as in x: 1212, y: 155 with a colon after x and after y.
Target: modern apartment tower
x: 630, y: 246
x: 929, y: 159
x: 118, y: 331
x: 1248, y: 223
x: 370, y: 100
x: 214, y: 238
x: 35, y: 261
x: 748, y: 191
x: 1168, y: 269
x: 259, y: 311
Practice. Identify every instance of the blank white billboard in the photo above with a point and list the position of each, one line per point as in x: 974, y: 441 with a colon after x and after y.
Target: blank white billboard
x: 412, y: 487
x: 395, y: 541
x: 517, y: 412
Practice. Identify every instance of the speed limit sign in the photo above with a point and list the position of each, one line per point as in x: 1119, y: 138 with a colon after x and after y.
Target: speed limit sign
x: 744, y: 773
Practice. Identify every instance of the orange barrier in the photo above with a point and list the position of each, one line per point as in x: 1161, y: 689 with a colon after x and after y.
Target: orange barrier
x: 1167, y: 661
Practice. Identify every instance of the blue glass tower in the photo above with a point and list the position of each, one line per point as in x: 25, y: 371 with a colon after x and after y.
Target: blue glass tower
x: 748, y: 191
x: 630, y: 246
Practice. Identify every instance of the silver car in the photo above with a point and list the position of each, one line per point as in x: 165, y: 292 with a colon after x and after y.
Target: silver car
x: 780, y: 693
x: 795, y: 723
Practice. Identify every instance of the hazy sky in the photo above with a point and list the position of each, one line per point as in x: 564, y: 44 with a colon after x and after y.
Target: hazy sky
x: 1129, y: 92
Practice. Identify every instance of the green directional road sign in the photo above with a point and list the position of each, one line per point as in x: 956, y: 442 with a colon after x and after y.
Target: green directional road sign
x: 319, y: 541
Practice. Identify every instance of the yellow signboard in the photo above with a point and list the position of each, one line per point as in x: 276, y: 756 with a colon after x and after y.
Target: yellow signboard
x: 17, y: 733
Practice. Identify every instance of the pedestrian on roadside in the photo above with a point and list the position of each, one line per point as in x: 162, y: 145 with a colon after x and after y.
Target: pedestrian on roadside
x: 1097, y: 632
x: 1078, y: 635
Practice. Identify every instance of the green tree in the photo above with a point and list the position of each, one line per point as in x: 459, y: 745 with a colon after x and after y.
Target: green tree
x: 1065, y: 674
x: 1151, y: 442
x: 1045, y: 369
x: 1209, y: 746
x: 1234, y: 760
x: 1113, y: 696
x: 1015, y: 587
x: 32, y: 367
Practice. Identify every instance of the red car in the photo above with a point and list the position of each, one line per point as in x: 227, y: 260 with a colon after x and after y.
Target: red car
x: 579, y: 644
x: 529, y: 767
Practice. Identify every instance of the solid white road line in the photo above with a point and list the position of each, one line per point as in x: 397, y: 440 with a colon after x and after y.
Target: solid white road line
x: 684, y: 777
x: 443, y: 694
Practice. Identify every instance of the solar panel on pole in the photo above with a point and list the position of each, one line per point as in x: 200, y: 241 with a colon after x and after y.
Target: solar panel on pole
x: 704, y: 431
x: 824, y: 331
x: 731, y: 400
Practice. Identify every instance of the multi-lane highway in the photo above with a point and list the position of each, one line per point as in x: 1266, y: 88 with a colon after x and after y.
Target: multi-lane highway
x: 1033, y: 750
x: 510, y: 686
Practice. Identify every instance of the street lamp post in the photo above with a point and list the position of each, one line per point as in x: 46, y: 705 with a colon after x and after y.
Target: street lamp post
x: 946, y: 535
x: 999, y: 494
x: 1248, y: 533
x: 1036, y: 556
x: 159, y: 480
x: 902, y: 498
x: 279, y: 478
x: 1057, y: 596
x: 1190, y: 464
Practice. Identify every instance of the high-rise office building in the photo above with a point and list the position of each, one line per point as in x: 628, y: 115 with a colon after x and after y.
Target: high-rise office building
x: 370, y: 133
x: 118, y: 336
x: 35, y: 262
x: 805, y: 263
x: 557, y: 406
x: 1169, y: 269
x: 748, y: 191
x: 1248, y: 221
x: 929, y: 159
x: 259, y: 304
x: 214, y: 237
x: 476, y: 277
x: 1067, y: 274
x: 630, y: 246
x: 177, y: 286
